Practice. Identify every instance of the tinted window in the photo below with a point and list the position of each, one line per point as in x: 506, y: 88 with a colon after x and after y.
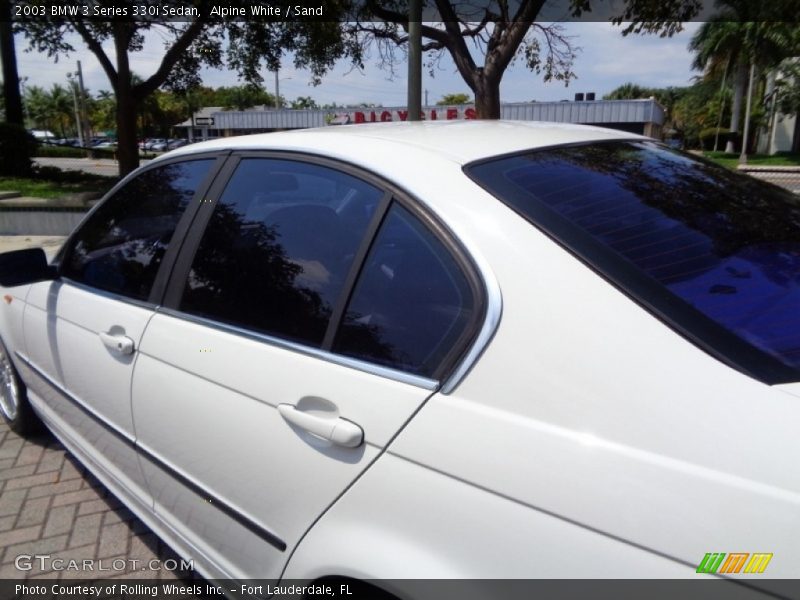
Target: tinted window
x: 120, y: 247
x: 412, y: 302
x: 278, y: 248
x: 726, y: 245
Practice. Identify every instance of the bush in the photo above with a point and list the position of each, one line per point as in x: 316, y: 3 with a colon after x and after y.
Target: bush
x: 16, y: 149
x: 60, y: 152
x: 49, y: 151
x: 707, y: 137
x: 60, y: 176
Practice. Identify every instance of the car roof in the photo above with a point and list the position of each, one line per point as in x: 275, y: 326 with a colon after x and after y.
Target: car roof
x: 461, y: 141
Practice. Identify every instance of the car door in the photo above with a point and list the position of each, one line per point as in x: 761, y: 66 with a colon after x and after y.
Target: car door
x: 83, y: 330
x: 260, y: 392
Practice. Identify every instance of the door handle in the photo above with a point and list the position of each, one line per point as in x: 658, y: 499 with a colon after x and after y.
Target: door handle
x: 118, y: 343
x: 336, y: 430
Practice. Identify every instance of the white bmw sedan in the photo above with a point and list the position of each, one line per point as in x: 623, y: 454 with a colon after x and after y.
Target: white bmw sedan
x: 435, y: 350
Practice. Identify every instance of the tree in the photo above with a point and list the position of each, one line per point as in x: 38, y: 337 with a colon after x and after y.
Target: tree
x: 242, y: 97
x: 501, y: 31
x: 303, y: 102
x: 695, y: 113
x: 52, y: 110
x: 740, y: 36
x: 629, y: 91
x: 102, y: 110
x: 188, y: 46
x: 667, y: 97
x: 789, y: 88
x: 450, y: 99
x: 12, y: 100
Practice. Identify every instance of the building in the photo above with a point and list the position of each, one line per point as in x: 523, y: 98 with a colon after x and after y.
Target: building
x: 782, y: 131
x: 644, y: 117
x: 201, y: 126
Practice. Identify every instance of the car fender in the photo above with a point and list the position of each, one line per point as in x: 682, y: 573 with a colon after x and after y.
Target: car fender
x: 401, y: 520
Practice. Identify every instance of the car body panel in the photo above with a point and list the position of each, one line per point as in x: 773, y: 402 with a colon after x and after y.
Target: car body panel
x: 85, y: 385
x: 580, y: 426
x: 433, y: 526
x: 188, y: 371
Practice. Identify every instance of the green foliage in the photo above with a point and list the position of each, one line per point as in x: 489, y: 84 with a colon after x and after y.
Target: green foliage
x: 629, y: 91
x: 48, y: 151
x: 781, y: 159
x: 242, y: 97
x: 303, y: 102
x: 16, y: 148
x: 51, y: 182
x: 188, y: 47
x: 695, y: 111
x: 102, y: 111
x: 708, y: 136
x: 451, y: 99
x: 788, y: 88
x: 52, y: 109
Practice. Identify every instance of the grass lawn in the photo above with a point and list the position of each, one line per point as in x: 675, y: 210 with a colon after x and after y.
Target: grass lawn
x: 782, y: 159
x: 54, y: 183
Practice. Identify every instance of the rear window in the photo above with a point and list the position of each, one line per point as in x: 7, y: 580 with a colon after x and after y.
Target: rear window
x: 714, y: 253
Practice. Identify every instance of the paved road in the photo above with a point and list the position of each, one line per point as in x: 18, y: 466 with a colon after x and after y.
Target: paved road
x: 50, y: 505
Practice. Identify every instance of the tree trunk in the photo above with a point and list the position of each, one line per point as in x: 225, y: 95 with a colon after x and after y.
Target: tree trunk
x: 11, y: 95
x: 739, y: 87
x: 796, y: 134
x: 127, y: 147
x: 487, y: 98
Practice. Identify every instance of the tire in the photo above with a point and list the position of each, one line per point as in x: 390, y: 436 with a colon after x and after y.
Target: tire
x: 14, y: 406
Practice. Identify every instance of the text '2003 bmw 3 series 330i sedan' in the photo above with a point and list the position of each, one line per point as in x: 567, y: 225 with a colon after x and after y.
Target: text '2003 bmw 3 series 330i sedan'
x: 436, y: 350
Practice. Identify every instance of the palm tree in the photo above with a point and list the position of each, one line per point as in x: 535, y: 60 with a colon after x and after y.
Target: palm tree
x: 736, y: 40
x: 62, y: 108
x: 51, y: 109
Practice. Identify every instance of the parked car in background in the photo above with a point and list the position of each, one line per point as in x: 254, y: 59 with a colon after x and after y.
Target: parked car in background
x: 427, y: 350
x: 174, y: 144
x: 148, y: 144
x: 159, y: 146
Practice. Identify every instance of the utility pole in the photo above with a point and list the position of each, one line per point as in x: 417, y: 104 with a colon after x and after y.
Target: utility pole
x: 82, y: 105
x: 74, y: 86
x: 277, y: 88
x: 414, y: 60
x: 426, y: 97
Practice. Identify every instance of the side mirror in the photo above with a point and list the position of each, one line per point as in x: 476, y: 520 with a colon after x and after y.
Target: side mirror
x: 25, y: 266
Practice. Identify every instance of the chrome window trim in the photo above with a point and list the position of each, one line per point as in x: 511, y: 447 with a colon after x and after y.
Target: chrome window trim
x: 491, y: 319
x: 337, y: 359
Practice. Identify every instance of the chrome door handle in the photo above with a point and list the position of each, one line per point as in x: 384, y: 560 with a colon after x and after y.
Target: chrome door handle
x: 118, y: 343
x: 336, y: 430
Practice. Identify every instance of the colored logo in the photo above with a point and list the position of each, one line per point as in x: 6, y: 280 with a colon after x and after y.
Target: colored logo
x: 735, y: 562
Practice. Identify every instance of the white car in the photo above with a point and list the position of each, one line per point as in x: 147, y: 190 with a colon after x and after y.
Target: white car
x: 429, y: 350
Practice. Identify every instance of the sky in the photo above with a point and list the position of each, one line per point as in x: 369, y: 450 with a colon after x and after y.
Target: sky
x: 606, y: 60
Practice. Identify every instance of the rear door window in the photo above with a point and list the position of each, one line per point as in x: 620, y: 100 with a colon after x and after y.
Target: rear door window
x: 412, y: 304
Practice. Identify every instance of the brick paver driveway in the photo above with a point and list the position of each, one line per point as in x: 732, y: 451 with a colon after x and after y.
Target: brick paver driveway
x: 50, y: 505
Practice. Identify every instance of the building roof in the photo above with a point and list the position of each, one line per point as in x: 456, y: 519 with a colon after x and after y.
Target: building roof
x: 459, y: 141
